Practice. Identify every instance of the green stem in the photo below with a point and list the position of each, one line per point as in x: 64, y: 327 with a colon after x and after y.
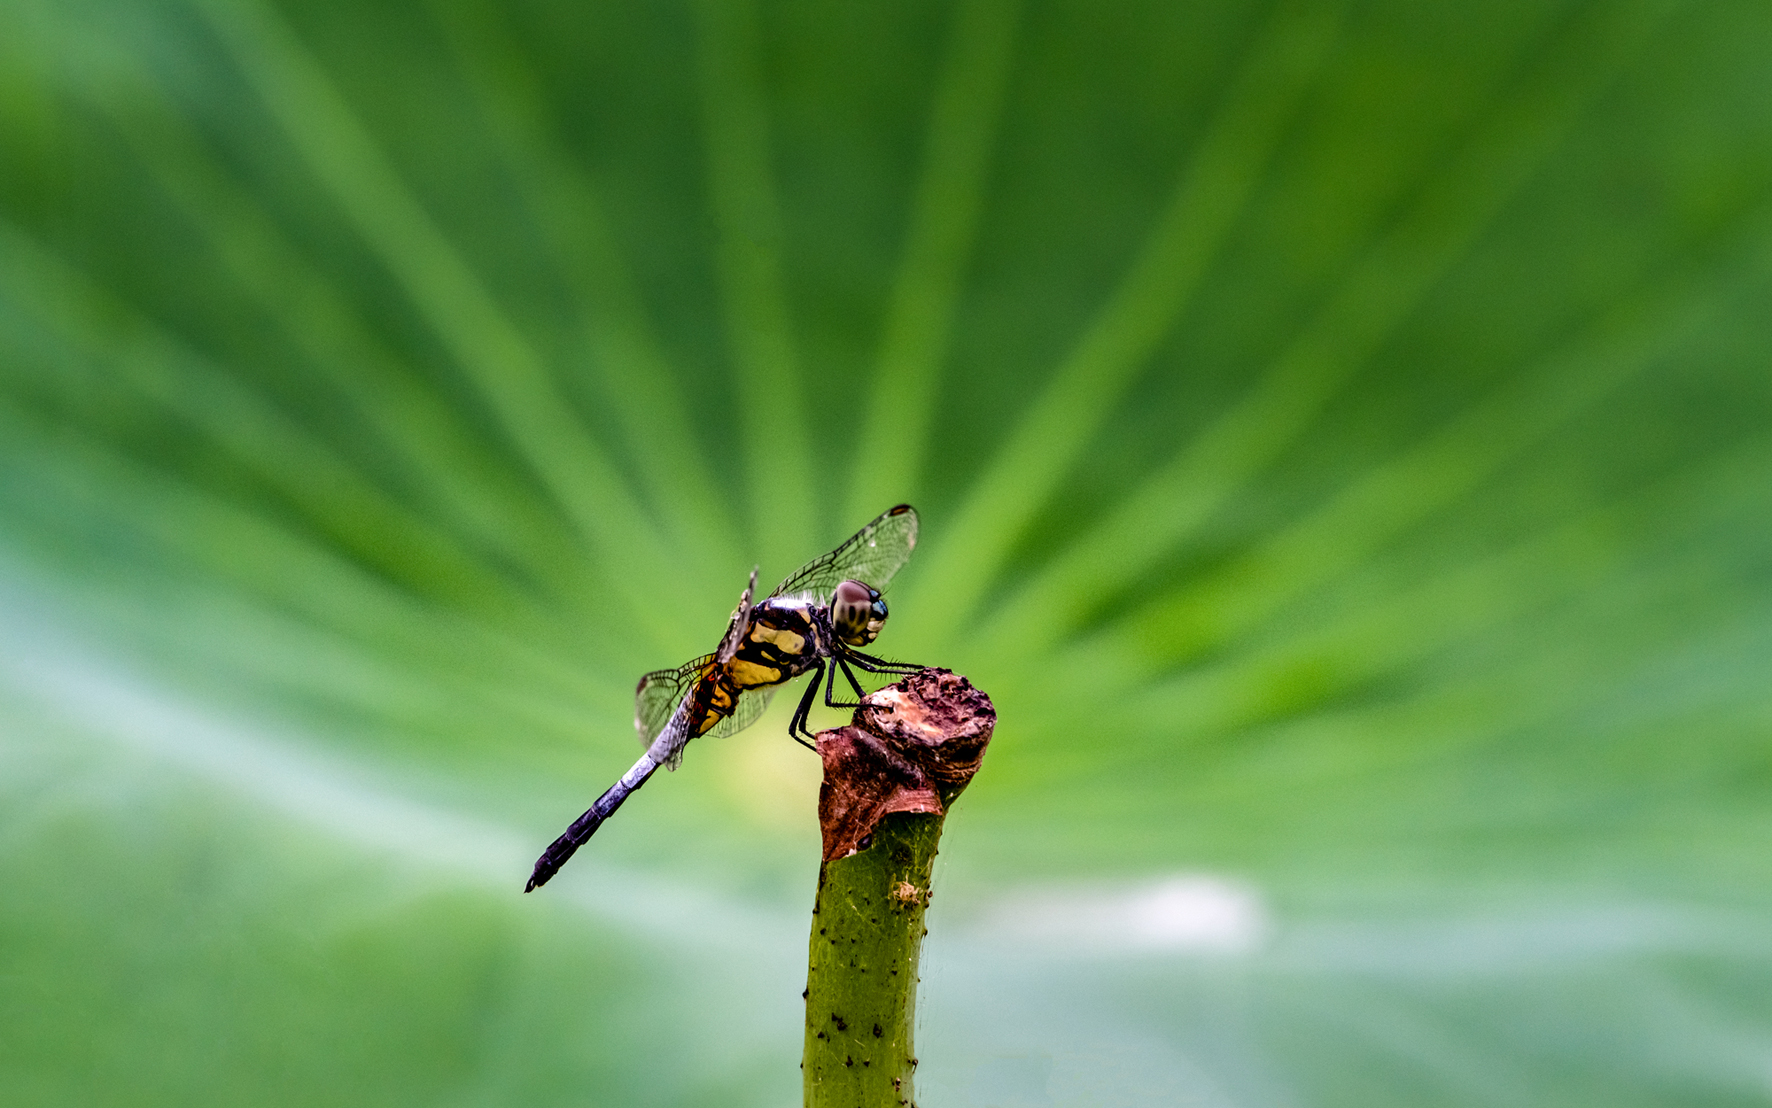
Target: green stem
x: 861, y: 988
x: 889, y: 779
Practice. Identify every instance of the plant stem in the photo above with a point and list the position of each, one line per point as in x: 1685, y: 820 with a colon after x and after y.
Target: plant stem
x: 861, y: 980
x: 889, y: 779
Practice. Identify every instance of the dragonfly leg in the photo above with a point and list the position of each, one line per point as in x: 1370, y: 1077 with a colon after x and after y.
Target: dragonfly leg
x: 880, y: 665
x: 830, y: 688
x: 797, y: 729
x: 851, y: 674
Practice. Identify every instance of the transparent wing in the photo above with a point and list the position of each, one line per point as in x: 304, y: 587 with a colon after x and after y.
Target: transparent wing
x: 741, y: 621
x: 659, y: 693
x: 748, y: 710
x: 873, y: 555
x: 660, y: 696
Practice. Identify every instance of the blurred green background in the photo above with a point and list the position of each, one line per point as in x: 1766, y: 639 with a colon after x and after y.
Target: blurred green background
x: 1341, y: 436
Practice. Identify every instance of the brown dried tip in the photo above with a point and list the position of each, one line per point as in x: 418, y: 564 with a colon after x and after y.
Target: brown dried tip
x: 910, y: 748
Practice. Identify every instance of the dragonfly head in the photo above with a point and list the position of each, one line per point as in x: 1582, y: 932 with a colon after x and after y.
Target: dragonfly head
x: 857, y: 613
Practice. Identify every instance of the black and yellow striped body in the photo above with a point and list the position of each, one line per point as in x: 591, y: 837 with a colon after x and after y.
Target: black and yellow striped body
x: 817, y: 621
x: 785, y: 638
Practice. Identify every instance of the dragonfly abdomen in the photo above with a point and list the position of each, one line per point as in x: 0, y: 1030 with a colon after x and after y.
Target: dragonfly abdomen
x: 713, y: 701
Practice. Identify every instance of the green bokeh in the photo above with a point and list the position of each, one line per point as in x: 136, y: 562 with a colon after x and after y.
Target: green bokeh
x: 1342, y: 439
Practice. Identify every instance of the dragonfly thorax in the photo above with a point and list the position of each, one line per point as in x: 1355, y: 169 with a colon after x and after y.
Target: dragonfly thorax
x: 785, y: 637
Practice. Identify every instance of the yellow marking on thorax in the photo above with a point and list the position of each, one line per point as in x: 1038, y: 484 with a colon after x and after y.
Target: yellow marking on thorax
x: 748, y: 675
x: 788, y: 642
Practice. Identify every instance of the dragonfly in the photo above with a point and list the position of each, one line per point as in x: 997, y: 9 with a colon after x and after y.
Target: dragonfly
x: 815, y: 622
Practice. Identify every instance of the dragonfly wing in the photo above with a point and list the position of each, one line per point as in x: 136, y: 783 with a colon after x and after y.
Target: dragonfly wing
x: 741, y: 622
x: 675, y: 734
x: 659, y: 706
x: 659, y: 693
x: 872, y: 555
x: 667, y: 749
x: 749, y: 709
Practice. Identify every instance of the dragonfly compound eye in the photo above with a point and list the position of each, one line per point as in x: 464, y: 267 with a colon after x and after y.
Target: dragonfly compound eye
x: 857, y: 613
